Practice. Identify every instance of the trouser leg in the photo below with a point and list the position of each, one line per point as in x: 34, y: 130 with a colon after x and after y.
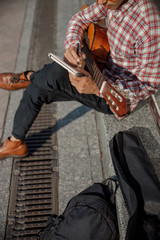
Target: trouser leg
x: 49, y: 85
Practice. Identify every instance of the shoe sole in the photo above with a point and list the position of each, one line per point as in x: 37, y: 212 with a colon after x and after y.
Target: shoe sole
x: 15, y: 156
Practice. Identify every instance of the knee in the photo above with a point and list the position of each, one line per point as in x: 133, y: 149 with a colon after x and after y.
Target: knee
x: 35, y: 96
x: 49, y: 77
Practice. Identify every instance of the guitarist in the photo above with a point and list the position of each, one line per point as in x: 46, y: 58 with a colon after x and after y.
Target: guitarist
x: 133, y: 65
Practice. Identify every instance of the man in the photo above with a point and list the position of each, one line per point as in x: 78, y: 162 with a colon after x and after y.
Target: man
x: 133, y: 65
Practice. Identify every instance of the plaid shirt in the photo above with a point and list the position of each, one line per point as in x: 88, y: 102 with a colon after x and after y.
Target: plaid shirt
x: 133, y: 33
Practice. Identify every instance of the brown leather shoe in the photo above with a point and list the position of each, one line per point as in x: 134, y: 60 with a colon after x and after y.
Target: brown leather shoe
x: 13, y: 149
x: 14, y: 81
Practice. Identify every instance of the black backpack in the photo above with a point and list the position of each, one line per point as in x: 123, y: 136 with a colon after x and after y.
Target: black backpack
x: 139, y: 185
x: 90, y: 215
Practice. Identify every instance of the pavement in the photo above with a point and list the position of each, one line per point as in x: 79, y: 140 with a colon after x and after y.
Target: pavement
x: 80, y: 162
x: 11, y: 18
x: 78, y: 143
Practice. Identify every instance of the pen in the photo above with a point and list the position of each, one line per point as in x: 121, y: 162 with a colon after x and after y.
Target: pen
x: 78, y: 54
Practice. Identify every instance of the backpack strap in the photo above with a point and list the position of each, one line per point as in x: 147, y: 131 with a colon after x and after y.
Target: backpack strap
x: 112, y: 183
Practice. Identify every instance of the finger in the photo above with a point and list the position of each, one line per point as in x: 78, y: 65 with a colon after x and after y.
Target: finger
x: 83, y: 55
x: 73, y: 78
x: 83, y: 71
x: 71, y: 55
x: 75, y: 56
x: 70, y: 58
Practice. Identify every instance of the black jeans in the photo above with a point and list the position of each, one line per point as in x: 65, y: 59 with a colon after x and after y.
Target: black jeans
x: 50, y: 84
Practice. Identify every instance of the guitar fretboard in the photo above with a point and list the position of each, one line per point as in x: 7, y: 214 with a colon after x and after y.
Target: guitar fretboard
x: 112, y: 95
x: 92, y: 67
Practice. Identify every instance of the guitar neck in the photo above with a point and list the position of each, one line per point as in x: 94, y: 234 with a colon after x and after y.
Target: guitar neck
x: 92, y: 67
x: 114, y: 98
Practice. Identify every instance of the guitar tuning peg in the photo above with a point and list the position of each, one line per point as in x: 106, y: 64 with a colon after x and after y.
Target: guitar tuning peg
x: 120, y: 99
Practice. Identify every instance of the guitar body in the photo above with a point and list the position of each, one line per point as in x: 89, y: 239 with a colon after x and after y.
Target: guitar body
x: 98, y: 42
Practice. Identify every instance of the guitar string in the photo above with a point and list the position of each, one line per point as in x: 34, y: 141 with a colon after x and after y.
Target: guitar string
x: 93, y: 68
x: 99, y: 79
x: 97, y: 75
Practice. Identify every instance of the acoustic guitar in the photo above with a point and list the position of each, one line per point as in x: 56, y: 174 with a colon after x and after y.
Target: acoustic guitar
x: 96, y: 48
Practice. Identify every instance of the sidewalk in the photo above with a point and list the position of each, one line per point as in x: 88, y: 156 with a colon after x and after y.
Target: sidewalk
x: 79, y: 155
x: 11, y: 19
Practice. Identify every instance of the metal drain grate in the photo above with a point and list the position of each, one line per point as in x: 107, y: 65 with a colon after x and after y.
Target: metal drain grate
x: 33, y: 193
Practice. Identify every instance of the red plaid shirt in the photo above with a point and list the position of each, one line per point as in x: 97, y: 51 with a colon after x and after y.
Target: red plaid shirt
x: 134, y: 40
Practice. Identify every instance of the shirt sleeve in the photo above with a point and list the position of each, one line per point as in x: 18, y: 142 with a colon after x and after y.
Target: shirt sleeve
x: 80, y: 21
x: 149, y: 62
x: 146, y: 80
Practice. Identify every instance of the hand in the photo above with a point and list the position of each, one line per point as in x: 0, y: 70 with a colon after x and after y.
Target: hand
x: 86, y: 84
x: 72, y: 57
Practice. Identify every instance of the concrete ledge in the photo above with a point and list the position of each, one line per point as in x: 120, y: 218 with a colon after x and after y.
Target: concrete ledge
x: 142, y: 122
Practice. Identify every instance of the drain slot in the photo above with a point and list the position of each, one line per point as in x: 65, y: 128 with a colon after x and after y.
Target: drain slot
x: 34, y: 181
